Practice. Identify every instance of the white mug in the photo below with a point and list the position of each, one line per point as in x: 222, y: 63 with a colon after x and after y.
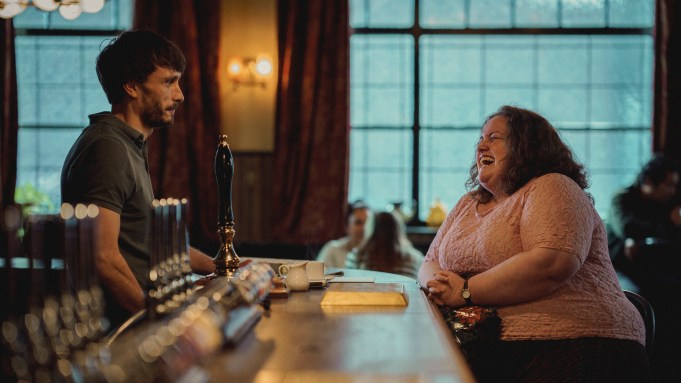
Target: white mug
x: 315, y: 270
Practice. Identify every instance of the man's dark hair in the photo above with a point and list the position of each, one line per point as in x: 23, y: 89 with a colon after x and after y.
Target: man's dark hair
x: 534, y: 149
x: 656, y: 169
x: 133, y: 56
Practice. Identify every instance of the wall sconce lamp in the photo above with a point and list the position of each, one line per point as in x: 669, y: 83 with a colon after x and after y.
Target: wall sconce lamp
x: 249, y: 71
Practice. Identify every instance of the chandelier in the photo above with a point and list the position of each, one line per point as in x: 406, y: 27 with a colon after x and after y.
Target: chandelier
x: 69, y: 9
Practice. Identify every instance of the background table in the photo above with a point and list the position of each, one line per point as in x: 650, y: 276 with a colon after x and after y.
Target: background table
x: 298, y: 340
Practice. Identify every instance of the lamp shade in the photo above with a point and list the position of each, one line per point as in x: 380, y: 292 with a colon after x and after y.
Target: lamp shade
x: 91, y: 6
x: 46, y: 5
x: 70, y: 12
x: 12, y: 8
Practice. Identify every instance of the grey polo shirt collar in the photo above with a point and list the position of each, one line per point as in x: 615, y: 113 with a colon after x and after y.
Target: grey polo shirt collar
x: 135, y: 136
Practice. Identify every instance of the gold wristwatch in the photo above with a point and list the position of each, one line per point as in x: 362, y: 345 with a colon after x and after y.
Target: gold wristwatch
x: 465, y: 293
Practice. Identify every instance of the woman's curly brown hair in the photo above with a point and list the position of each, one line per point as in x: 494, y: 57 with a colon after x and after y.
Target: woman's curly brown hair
x: 534, y: 149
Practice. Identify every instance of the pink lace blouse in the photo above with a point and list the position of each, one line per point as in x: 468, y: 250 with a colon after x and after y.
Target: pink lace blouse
x: 553, y: 212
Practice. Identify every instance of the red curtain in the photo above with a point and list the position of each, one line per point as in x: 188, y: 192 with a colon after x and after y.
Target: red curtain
x: 9, y: 125
x: 667, y: 104
x: 312, y: 129
x: 182, y: 156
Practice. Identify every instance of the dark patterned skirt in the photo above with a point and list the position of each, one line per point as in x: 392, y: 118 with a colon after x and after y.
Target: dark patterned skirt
x: 564, y: 360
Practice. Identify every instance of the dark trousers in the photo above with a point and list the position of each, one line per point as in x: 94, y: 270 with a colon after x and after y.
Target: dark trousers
x: 564, y: 360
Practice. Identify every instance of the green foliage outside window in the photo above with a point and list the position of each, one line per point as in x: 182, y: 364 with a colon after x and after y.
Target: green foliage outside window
x: 33, y: 200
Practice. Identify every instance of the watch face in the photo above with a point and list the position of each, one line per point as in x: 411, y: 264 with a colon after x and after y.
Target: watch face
x: 466, y: 294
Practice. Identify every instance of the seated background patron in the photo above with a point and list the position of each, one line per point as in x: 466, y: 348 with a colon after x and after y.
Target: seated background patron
x: 386, y: 248
x: 527, y: 240
x: 334, y: 252
x: 644, y: 234
x: 649, y: 208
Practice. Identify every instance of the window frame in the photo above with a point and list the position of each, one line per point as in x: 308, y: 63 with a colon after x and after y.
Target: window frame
x: 416, y: 31
x: 48, y: 30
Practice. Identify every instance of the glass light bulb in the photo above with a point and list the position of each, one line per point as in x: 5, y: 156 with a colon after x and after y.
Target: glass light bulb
x: 235, y: 67
x: 263, y: 66
x: 46, y: 5
x: 91, y: 6
x: 70, y: 12
x: 12, y: 8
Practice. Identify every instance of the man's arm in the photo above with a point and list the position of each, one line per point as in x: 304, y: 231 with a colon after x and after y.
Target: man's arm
x: 200, y: 262
x: 112, y: 268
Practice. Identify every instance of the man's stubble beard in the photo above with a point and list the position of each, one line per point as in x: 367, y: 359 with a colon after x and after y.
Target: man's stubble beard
x: 153, y: 114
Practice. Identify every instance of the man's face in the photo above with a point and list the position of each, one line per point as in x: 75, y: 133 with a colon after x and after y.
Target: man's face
x: 356, y: 222
x: 160, y: 96
x: 665, y: 190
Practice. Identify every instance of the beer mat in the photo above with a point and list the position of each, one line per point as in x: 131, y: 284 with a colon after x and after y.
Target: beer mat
x: 352, y: 279
x: 365, y: 294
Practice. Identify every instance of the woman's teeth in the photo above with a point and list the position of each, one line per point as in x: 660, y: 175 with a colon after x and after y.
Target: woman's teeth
x: 486, y: 161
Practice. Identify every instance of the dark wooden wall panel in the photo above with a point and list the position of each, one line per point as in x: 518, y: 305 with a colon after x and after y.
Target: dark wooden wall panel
x: 252, y: 197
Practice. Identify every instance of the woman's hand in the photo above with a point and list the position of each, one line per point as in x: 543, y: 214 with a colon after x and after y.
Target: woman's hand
x: 445, y: 289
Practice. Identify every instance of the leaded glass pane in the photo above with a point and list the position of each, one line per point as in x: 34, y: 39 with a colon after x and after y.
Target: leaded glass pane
x: 446, y: 157
x: 381, y: 173
x: 510, y: 59
x: 453, y: 106
x: 562, y: 60
x: 28, y: 105
x: 566, y: 107
x: 583, y: 13
x: 617, y: 59
x: 381, y: 79
x: 58, y: 95
x: 442, y: 13
x: 381, y: 13
x: 490, y: 14
x: 631, y: 13
x: 43, y: 151
x: 523, y: 96
x: 536, y: 13
x: 619, y: 107
x: 451, y: 59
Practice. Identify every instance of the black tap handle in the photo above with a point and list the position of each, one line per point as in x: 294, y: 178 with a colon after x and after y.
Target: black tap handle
x: 224, y: 172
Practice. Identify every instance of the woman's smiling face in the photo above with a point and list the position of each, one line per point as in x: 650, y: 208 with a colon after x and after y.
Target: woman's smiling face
x: 491, y: 155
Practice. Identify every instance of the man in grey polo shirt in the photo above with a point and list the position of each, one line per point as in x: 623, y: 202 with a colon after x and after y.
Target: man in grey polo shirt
x: 108, y: 163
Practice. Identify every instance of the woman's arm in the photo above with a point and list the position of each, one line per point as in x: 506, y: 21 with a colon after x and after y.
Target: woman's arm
x: 524, y: 277
x: 427, y: 272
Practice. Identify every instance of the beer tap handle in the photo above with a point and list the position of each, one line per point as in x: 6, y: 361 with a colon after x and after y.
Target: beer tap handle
x: 226, y: 261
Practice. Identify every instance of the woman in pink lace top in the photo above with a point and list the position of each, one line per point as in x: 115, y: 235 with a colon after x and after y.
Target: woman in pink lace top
x: 532, y: 245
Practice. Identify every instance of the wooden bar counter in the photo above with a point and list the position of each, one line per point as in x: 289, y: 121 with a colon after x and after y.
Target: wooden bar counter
x: 300, y: 341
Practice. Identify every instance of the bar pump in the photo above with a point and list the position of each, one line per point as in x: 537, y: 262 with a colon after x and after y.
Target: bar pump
x: 226, y: 261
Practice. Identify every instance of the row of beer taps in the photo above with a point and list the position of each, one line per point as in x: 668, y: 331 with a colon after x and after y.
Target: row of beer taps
x: 53, y: 321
